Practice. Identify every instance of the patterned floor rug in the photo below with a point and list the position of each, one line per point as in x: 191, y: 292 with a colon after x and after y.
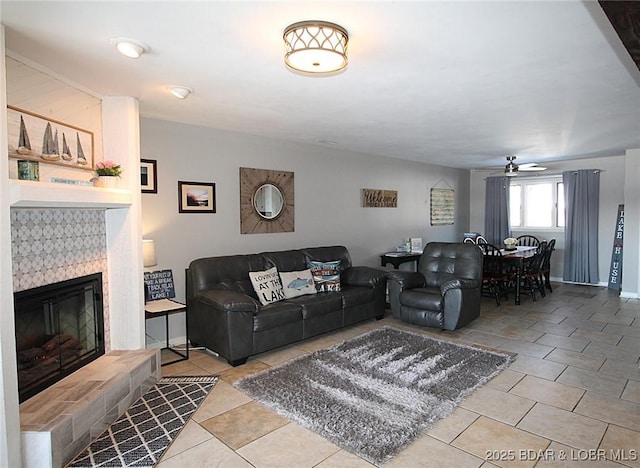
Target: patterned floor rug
x: 374, y: 394
x: 142, y: 434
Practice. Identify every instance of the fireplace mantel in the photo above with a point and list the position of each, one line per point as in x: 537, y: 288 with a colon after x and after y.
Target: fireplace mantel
x: 30, y: 194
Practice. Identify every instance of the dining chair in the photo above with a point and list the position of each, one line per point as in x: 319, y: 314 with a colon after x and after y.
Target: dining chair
x: 530, y: 274
x: 481, y: 240
x: 545, y: 271
x: 494, y: 278
x: 528, y: 240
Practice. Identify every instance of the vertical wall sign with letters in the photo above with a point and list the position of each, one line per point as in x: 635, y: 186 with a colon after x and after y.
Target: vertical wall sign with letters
x: 159, y: 284
x: 615, y: 271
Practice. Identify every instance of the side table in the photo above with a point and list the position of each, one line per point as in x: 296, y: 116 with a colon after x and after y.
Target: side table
x: 164, y: 308
x: 398, y: 258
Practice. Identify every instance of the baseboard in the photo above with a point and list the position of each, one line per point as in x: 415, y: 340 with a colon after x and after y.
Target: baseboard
x: 153, y: 343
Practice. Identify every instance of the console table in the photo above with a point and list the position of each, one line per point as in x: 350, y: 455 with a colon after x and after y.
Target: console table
x: 398, y: 258
x: 164, y: 308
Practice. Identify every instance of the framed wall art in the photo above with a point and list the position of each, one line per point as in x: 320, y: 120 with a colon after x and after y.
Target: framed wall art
x: 442, y: 206
x: 149, y: 175
x: 34, y: 137
x: 196, y: 197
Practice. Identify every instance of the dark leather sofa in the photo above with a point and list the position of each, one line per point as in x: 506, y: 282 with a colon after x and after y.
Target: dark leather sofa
x: 225, y: 315
x: 444, y: 292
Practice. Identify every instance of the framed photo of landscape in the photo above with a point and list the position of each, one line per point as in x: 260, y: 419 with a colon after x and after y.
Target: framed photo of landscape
x: 196, y: 197
x: 149, y: 176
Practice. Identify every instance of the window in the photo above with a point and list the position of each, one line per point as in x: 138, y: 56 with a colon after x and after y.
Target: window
x: 537, y: 203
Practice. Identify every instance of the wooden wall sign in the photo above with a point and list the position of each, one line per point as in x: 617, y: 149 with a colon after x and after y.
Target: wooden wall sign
x: 374, y: 198
x: 615, y: 270
x: 442, y: 206
x: 252, y: 183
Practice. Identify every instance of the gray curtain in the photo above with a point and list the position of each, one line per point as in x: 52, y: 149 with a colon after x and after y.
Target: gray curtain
x: 496, y: 210
x: 581, y: 196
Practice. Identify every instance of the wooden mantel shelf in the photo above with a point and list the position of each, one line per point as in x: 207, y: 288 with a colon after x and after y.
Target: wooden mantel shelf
x: 30, y: 194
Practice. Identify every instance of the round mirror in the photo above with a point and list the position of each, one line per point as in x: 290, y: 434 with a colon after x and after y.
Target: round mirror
x: 268, y: 201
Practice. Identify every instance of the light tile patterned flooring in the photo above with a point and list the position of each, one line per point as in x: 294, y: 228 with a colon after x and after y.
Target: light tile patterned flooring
x: 570, y: 398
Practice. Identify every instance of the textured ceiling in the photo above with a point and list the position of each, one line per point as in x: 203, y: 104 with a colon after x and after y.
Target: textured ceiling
x: 459, y: 84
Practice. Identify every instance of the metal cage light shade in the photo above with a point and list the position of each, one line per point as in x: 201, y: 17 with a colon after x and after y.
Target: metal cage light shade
x: 315, y: 47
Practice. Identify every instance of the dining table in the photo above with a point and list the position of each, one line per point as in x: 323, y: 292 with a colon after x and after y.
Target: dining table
x: 515, y: 258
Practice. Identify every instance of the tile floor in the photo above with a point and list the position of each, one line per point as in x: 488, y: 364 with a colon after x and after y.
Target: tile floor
x: 570, y: 398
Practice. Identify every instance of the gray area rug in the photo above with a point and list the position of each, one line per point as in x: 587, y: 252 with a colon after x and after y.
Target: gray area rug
x: 141, y: 435
x: 374, y: 394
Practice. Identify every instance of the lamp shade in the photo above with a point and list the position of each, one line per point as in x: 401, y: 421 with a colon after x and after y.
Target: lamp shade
x: 315, y: 47
x: 149, y: 253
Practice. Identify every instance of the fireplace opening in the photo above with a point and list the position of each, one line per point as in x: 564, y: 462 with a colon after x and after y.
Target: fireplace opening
x: 59, y: 329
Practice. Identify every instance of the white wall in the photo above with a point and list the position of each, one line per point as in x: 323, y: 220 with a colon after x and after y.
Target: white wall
x: 328, y: 185
x: 631, y: 249
x: 612, y: 194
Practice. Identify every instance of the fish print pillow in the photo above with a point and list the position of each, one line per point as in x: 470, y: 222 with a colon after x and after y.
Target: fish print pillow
x: 297, y: 283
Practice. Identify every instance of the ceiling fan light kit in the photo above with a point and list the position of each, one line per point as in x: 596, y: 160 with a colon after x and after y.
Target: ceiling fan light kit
x: 512, y: 169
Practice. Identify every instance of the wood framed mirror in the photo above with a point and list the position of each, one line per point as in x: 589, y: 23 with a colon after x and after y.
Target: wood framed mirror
x: 266, y: 201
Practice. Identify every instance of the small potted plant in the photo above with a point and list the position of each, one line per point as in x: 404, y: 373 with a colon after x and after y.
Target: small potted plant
x: 106, y: 172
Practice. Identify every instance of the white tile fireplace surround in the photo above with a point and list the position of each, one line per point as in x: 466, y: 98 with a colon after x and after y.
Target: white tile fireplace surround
x: 52, y: 245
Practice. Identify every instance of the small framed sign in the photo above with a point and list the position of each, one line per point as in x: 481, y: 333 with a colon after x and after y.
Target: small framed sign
x: 159, y: 285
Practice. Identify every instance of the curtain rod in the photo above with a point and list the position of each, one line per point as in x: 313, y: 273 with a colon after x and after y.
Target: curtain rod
x: 551, y: 174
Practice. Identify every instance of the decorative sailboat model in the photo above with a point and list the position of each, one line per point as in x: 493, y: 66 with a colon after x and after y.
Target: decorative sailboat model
x: 66, y: 153
x: 81, y: 158
x: 50, y: 151
x: 24, y: 145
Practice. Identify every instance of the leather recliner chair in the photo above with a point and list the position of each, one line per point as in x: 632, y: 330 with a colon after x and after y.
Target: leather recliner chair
x: 444, y: 292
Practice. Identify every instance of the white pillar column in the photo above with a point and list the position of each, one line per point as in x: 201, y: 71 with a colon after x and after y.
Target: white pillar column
x: 10, y: 452
x: 121, y: 144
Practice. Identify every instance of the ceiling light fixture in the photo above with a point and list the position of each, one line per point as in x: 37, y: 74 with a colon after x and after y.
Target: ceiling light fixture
x: 130, y: 47
x: 315, y: 47
x: 181, y: 92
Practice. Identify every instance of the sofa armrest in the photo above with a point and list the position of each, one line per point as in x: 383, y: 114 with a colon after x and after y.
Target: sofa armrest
x: 461, y: 302
x: 222, y: 321
x: 398, y: 281
x: 228, y: 300
x: 363, y: 276
x: 406, y: 279
x: 458, y: 283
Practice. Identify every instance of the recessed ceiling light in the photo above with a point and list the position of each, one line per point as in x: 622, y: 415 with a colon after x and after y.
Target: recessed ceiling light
x: 130, y: 47
x: 181, y: 92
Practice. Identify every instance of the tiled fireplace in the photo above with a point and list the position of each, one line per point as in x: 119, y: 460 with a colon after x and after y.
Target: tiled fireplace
x: 53, y: 245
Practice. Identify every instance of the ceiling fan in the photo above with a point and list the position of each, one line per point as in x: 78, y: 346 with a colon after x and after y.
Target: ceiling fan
x: 512, y: 169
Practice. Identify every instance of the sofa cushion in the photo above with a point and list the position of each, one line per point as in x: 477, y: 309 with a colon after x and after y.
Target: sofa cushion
x: 318, y: 305
x: 276, y: 314
x: 326, y: 274
x: 422, y: 298
x: 267, y: 285
x: 297, y: 283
